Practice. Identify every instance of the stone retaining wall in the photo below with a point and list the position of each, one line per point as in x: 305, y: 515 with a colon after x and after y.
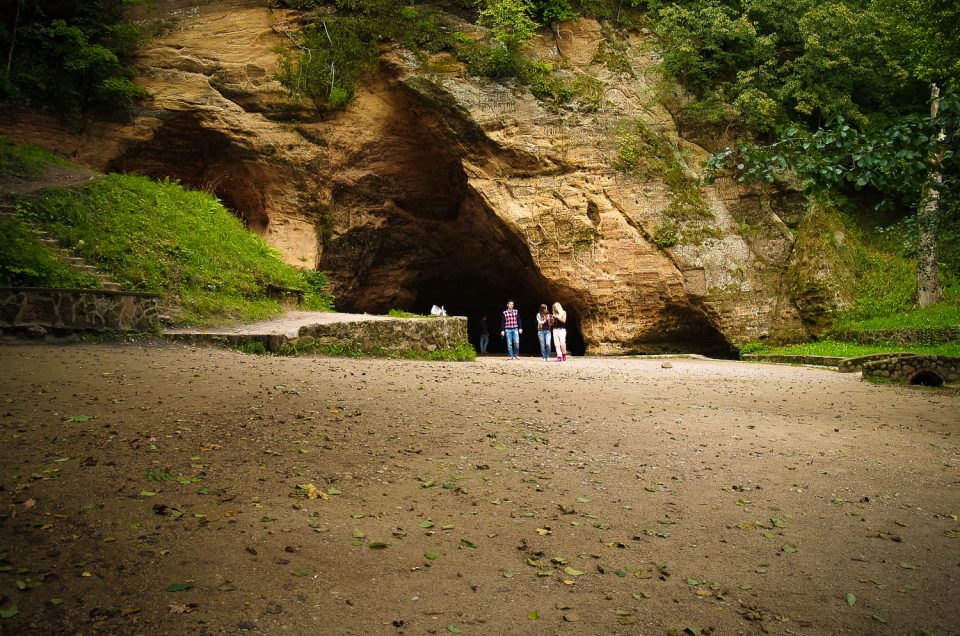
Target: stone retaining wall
x: 386, y: 337
x: 906, y: 336
x: 817, y: 361
x: 77, y: 310
x: 920, y: 369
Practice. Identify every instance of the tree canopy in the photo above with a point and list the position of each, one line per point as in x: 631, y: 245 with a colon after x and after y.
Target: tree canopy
x: 67, y: 55
x: 783, y: 61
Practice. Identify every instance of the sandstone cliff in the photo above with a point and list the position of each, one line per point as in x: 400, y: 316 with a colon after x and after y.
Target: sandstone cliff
x: 442, y: 188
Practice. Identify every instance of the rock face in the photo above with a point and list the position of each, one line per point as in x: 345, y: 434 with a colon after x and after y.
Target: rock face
x: 441, y: 188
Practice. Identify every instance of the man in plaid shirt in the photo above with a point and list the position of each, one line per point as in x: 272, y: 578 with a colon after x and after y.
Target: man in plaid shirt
x: 511, y: 327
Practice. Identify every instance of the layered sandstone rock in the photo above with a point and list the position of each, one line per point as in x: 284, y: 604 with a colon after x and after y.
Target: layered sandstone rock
x: 441, y: 188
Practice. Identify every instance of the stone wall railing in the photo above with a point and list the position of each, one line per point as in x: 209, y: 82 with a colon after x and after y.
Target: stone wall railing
x: 78, y: 310
x: 385, y: 337
x: 816, y: 361
x: 855, y: 365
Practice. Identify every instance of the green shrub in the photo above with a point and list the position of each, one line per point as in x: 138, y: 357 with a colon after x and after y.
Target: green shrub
x: 461, y: 352
x: 330, y: 59
x: 335, y: 51
x: 400, y: 313
x: 300, y: 5
x: 316, y: 289
x: 666, y: 233
x: 754, y: 348
x: 547, y: 11
x: 254, y: 347
x: 546, y: 84
x: 69, y: 56
x: 484, y: 60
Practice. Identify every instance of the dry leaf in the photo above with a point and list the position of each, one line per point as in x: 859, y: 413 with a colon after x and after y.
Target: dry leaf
x: 312, y: 492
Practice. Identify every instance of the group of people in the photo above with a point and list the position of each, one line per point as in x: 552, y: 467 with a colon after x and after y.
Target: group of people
x: 551, y: 325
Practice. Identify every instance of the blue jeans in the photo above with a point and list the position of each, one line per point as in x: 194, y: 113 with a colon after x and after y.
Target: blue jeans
x: 513, y: 341
x: 484, y: 341
x: 544, y: 337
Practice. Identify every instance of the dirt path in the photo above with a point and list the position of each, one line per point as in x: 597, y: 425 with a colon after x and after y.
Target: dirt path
x: 156, y: 489
x: 53, y: 177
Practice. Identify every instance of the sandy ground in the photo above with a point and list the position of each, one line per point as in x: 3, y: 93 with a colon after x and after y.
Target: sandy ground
x: 164, y: 489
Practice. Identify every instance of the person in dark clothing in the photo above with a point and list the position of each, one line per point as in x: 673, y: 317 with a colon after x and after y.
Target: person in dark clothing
x: 484, y: 334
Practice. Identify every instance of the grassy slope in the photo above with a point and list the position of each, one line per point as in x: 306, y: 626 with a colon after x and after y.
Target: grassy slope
x: 162, y: 238
x: 26, y: 262
x: 148, y: 236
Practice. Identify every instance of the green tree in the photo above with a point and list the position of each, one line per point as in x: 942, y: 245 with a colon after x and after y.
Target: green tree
x: 509, y: 22
x: 550, y: 11
x: 331, y: 57
x: 780, y: 61
x: 68, y: 55
x: 912, y: 162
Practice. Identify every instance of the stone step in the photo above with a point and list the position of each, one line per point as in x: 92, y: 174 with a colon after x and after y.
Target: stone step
x: 64, y: 254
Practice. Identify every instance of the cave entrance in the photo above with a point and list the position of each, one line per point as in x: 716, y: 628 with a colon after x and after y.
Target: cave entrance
x: 409, y: 232
x: 202, y: 159
x: 485, y: 293
x: 467, y: 261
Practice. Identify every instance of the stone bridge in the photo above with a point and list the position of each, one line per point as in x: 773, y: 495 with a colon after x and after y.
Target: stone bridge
x: 928, y: 370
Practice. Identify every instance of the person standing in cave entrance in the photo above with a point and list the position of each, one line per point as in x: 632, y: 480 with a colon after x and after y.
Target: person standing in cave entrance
x: 510, y: 328
x: 560, y: 332
x: 484, y: 334
x: 544, y: 325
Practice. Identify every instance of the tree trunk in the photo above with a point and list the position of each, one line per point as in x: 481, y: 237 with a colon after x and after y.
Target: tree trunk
x: 928, y: 279
x: 13, y: 39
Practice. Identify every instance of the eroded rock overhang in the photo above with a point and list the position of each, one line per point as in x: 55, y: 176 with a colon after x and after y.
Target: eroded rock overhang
x: 444, y: 189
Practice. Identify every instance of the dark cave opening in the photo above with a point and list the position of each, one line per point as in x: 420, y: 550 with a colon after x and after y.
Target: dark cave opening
x: 201, y: 159
x: 685, y: 329
x: 486, y: 293
x: 465, y: 260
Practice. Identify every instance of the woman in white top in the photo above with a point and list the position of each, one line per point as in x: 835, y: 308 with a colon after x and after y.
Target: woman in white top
x: 560, y: 332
